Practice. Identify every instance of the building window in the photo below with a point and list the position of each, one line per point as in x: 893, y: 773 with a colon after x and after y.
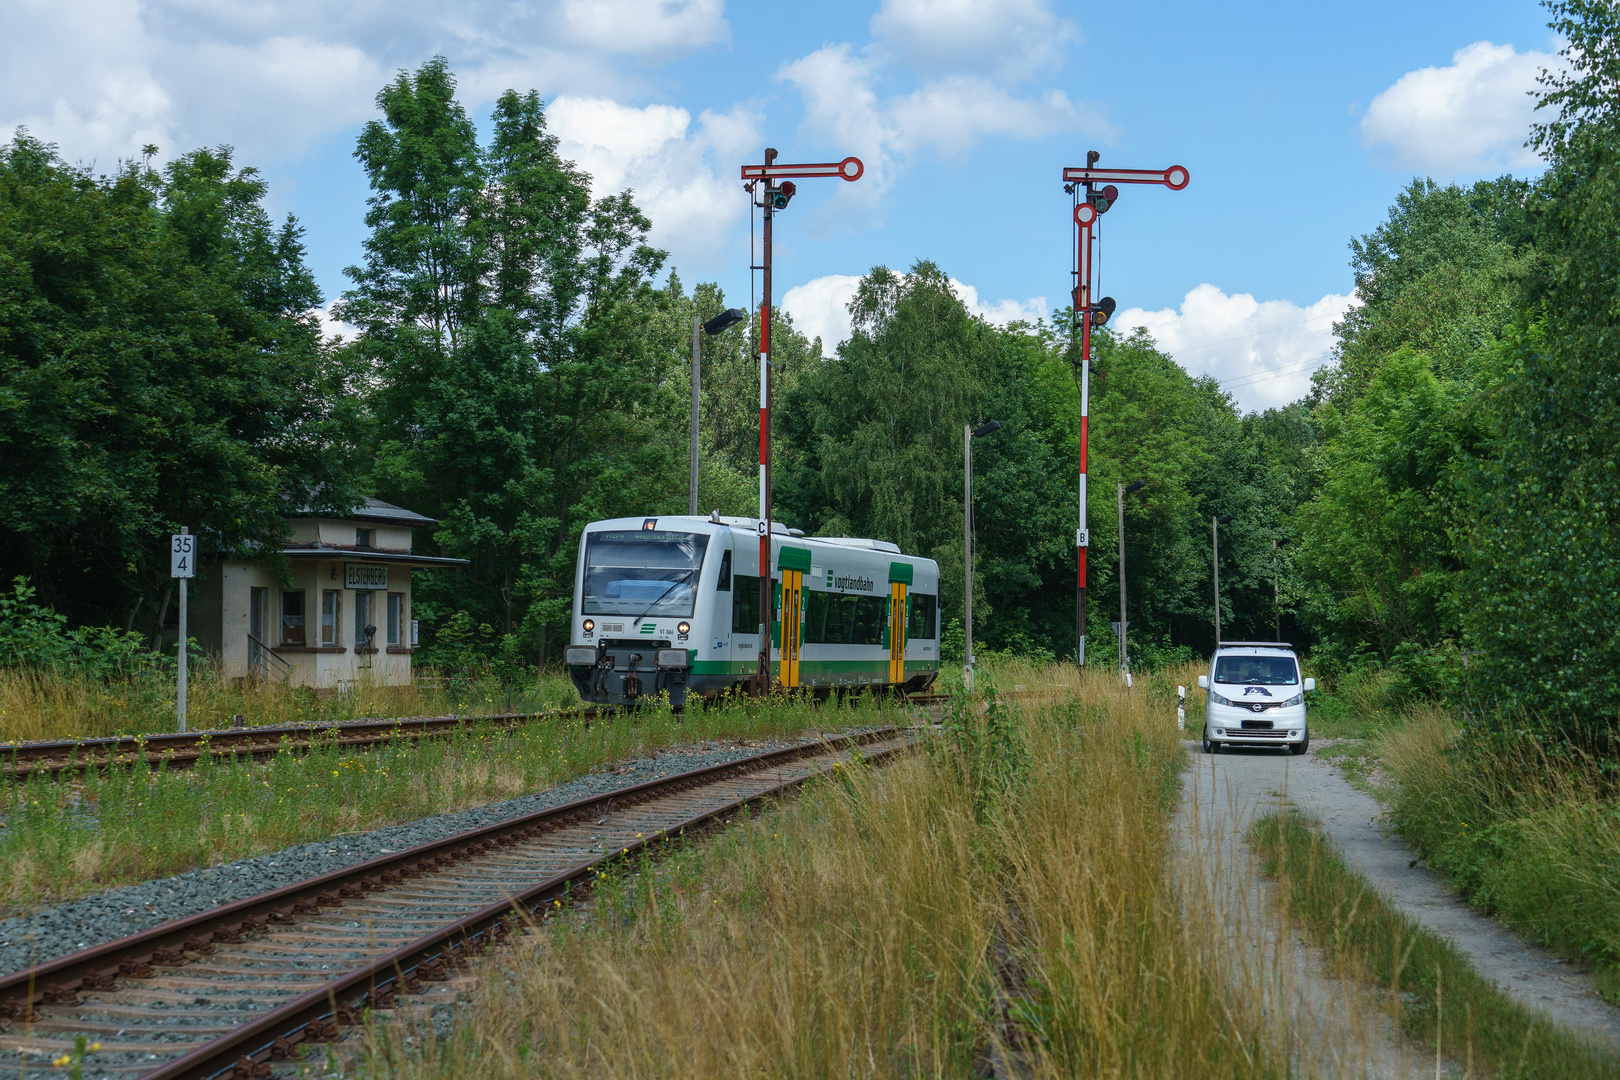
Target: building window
x: 292, y: 617
x: 396, y: 613
x: 363, y: 537
x: 331, y: 605
x: 365, y: 631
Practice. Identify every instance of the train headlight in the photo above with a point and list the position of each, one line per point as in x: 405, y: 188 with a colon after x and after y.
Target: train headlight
x: 589, y: 625
x: 683, y: 628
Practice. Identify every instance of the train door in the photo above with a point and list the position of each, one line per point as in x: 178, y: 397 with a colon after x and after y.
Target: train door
x: 794, y: 563
x: 897, y: 632
x: 899, y: 588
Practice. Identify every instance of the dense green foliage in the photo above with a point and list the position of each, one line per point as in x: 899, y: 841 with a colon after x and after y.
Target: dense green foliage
x: 1442, y: 501
x: 158, y: 367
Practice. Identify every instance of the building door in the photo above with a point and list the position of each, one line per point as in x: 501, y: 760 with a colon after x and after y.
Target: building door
x: 897, y: 632
x: 258, y: 629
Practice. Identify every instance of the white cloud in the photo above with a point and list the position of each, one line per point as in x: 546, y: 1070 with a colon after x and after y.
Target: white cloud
x: 1000, y: 312
x: 821, y: 308
x: 332, y: 327
x: 1465, y: 119
x: 682, y: 177
x: 1011, y: 39
x: 103, y: 77
x: 949, y: 114
x: 1262, y: 351
x: 954, y: 113
x: 842, y: 110
x: 645, y: 27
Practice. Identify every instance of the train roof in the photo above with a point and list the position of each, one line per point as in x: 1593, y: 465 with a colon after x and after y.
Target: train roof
x: 779, y: 531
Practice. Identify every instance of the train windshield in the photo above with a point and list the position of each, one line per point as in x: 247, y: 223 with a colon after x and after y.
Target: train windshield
x: 1257, y: 670
x: 651, y: 572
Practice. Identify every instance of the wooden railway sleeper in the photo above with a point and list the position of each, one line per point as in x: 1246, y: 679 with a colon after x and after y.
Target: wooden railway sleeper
x: 248, y: 1069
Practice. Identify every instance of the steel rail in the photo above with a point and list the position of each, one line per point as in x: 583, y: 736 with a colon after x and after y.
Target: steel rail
x: 313, y: 1017
x: 18, y: 761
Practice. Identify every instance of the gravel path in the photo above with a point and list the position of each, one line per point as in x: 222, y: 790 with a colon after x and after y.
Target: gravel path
x: 1530, y: 974
x: 117, y: 913
x: 1232, y: 787
x: 1330, y: 1026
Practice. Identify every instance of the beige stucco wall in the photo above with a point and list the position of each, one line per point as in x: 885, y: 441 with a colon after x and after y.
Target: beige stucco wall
x: 314, y: 664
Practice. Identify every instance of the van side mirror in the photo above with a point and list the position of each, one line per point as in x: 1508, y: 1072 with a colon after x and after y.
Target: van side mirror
x: 1310, y: 684
x: 1203, y: 682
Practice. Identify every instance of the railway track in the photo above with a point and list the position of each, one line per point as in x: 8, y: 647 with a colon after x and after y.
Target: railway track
x: 240, y: 989
x: 18, y: 761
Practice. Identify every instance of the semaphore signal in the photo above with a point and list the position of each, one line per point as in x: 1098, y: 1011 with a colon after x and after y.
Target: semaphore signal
x: 778, y: 191
x: 1086, y: 211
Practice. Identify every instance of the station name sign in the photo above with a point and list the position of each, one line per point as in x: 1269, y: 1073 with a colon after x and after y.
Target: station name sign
x: 359, y: 575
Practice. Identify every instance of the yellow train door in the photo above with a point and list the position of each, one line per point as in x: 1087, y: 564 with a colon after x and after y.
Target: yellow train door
x: 794, y: 563
x: 897, y: 632
x: 899, y: 586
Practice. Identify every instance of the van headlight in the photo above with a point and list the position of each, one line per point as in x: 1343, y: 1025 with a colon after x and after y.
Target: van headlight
x: 1297, y: 699
x: 1216, y: 699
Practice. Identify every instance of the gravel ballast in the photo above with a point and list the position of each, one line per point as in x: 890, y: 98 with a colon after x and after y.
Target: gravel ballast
x: 116, y: 913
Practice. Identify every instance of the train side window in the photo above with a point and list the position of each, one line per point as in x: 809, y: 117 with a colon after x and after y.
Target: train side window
x: 745, y: 605
x: 819, y: 628
x: 723, y: 584
x: 923, y: 608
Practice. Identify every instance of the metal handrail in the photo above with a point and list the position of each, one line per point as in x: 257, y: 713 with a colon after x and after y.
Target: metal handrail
x: 265, y: 651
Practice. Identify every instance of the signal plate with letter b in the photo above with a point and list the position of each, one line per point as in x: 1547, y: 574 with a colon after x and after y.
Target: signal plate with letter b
x: 1082, y: 538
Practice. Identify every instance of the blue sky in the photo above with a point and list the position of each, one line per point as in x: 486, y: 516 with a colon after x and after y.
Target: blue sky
x: 1299, y: 123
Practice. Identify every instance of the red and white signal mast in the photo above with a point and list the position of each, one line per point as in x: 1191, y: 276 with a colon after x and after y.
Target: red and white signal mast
x: 779, y: 190
x: 1099, y: 194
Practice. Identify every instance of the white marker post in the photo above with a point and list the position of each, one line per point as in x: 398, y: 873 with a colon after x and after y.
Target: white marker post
x: 182, y: 565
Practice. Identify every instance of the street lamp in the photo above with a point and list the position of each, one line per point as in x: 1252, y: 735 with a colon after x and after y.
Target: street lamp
x: 1276, y: 588
x: 1215, y: 524
x: 717, y: 325
x: 968, y: 435
x: 1124, y: 653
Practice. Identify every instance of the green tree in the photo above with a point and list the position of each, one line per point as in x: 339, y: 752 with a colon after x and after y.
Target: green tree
x: 1543, y: 576
x: 159, y: 366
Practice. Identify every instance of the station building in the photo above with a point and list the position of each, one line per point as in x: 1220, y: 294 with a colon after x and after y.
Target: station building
x: 345, y: 616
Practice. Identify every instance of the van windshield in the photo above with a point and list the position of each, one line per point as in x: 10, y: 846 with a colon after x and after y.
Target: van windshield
x: 628, y: 573
x: 1257, y: 670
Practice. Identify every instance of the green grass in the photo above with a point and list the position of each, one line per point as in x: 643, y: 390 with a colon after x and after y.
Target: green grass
x: 63, y: 837
x: 1530, y: 837
x: 1427, y: 982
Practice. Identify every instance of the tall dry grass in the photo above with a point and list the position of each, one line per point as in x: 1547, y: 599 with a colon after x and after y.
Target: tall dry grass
x: 1528, y: 836
x: 1005, y: 898
x: 44, y: 704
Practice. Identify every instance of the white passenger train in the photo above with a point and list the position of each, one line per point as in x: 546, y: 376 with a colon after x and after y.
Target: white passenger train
x: 672, y: 604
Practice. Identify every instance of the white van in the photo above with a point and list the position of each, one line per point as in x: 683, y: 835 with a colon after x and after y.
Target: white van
x: 1256, y: 697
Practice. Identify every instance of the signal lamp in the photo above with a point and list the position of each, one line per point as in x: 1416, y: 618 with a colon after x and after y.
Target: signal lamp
x: 1104, y: 198
x: 724, y: 321
x: 781, y: 196
x: 1103, y: 310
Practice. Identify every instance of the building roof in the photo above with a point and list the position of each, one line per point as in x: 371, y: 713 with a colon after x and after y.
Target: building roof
x: 379, y: 511
x: 358, y: 554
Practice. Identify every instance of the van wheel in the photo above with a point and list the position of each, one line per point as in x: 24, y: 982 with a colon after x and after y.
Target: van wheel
x: 1211, y: 746
x: 1300, y: 747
